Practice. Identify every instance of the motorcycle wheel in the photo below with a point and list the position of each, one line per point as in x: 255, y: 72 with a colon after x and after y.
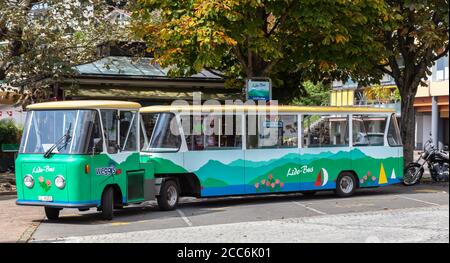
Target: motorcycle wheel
x: 412, y: 174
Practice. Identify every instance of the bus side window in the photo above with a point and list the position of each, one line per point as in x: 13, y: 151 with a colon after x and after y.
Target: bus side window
x: 325, y: 131
x: 128, y: 132
x: 393, y: 135
x: 109, y: 120
x: 280, y: 131
x: 95, y: 138
x: 162, y: 132
x: 368, y: 130
x: 213, y: 132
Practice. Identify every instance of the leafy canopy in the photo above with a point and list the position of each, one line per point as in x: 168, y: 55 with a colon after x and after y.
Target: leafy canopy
x: 247, y: 38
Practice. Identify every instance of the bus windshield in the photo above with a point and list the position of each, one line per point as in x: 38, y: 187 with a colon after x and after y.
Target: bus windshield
x: 45, y: 128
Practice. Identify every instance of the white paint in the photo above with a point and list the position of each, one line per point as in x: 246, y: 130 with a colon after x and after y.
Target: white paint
x: 417, y: 200
x: 310, y: 208
x: 184, y: 217
x: 325, y: 176
x: 119, y: 157
x: 393, y: 174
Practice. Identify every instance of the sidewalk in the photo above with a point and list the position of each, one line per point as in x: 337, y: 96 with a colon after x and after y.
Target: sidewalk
x: 17, y: 223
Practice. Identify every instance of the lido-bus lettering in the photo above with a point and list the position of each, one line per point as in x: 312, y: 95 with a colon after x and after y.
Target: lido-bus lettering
x: 38, y: 169
x: 304, y: 169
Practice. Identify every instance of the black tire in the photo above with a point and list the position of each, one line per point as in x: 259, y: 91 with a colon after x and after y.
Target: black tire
x: 52, y: 213
x: 166, y: 200
x: 411, y: 169
x: 309, y: 193
x: 346, y: 185
x: 108, y: 204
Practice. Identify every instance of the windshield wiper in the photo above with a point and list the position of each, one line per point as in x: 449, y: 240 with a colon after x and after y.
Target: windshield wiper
x: 65, y: 138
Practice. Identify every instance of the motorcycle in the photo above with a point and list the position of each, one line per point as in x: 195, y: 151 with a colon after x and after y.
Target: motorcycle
x: 435, y: 159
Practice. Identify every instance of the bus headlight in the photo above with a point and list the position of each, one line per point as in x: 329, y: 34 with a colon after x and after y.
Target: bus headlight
x: 60, y: 182
x: 28, y: 181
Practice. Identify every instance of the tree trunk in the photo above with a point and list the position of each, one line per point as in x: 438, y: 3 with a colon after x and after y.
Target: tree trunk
x: 407, y: 124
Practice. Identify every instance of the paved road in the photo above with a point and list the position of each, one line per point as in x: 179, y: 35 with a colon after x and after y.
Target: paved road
x: 389, y: 214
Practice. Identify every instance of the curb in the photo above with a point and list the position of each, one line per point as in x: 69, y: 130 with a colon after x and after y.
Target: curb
x: 26, y: 235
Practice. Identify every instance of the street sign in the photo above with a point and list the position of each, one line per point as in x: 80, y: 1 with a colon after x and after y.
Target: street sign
x: 258, y: 89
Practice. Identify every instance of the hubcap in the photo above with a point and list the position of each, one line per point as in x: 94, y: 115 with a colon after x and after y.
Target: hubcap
x: 346, y: 184
x: 172, y: 195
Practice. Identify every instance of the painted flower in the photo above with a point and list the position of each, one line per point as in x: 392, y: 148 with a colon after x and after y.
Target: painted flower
x: 270, y: 176
x: 267, y: 183
x: 48, y: 182
x: 41, y: 179
x: 257, y: 185
x: 361, y: 181
x: 374, y: 178
x: 263, y: 181
x: 277, y: 181
x: 368, y: 173
x: 365, y: 177
x: 273, y: 185
x: 281, y: 184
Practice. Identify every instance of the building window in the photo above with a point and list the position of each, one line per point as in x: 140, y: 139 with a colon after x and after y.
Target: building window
x: 441, y: 69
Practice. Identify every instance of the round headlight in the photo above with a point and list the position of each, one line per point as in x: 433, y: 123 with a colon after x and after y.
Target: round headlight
x: 28, y: 181
x: 60, y: 182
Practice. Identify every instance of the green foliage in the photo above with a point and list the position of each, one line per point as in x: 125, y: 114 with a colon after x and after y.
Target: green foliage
x: 313, y: 95
x: 45, y: 39
x: 9, y: 132
x: 247, y: 38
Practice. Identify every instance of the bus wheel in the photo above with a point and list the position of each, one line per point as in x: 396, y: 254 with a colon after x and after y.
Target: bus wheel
x: 52, y: 213
x: 168, y: 197
x: 108, y: 204
x: 345, y: 185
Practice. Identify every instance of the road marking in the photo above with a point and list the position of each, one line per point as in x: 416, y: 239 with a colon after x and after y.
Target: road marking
x: 183, y: 216
x: 120, y: 223
x: 309, y: 208
x: 417, y: 200
x: 426, y: 191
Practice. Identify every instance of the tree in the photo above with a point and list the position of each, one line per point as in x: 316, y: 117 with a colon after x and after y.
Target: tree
x: 248, y: 38
x: 411, y: 38
x: 313, y: 95
x: 9, y: 133
x: 45, y: 39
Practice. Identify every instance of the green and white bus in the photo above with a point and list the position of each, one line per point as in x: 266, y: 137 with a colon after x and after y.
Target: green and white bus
x: 83, y: 154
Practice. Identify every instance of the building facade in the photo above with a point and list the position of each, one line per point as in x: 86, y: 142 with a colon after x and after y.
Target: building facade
x: 431, y: 101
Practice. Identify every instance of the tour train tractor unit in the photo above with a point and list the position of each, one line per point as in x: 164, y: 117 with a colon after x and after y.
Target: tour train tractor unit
x: 82, y: 154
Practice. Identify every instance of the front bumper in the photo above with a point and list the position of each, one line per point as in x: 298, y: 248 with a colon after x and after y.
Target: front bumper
x: 87, y: 204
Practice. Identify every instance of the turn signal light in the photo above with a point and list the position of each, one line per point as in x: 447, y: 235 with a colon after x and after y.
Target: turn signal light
x: 87, y: 169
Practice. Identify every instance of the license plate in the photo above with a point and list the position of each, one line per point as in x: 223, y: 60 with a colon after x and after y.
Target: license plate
x: 45, y: 198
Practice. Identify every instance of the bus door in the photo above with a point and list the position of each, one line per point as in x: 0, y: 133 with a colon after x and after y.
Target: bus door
x: 214, y: 152
x: 120, y: 162
x: 272, y: 154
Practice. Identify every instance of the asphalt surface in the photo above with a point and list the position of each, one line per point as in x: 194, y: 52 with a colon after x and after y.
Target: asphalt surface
x: 388, y: 214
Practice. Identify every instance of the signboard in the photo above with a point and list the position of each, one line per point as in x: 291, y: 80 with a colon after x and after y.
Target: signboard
x: 10, y: 147
x: 259, y: 89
